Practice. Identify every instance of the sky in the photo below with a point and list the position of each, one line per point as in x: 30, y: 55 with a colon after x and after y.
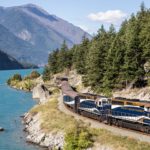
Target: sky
x: 87, y: 14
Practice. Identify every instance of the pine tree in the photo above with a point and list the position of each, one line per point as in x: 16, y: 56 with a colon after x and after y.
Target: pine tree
x: 80, y: 55
x: 52, y: 61
x: 133, y: 67
x: 62, y: 57
x: 114, y: 62
x: 96, y: 59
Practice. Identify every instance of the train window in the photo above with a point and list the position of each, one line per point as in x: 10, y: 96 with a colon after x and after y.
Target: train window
x: 129, y: 103
x: 136, y: 109
x: 104, y: 102
x: 118, y: 102
x: 99, y: 103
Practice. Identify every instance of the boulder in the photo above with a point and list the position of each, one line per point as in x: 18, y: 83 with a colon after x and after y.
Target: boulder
x: 41, y: 92
x: 1, y: 129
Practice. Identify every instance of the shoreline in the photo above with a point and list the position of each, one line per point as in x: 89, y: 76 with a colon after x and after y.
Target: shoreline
x: 35, y: 134
x: 32, y: 124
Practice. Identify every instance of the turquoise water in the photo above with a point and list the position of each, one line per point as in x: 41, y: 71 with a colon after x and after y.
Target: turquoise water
x: 13, y: 104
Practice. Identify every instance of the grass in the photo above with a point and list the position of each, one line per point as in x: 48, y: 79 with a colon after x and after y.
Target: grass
x: 78, y: 135
x: 104, y: 137
x: 52, y: 118
x: 26, y: 85
x: 80, y: 87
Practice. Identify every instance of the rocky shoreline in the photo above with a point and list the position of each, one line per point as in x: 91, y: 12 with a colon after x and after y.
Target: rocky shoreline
x: 32, y: 124
x: 37, y: 136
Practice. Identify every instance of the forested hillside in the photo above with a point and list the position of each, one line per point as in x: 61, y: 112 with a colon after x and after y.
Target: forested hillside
x: 112, y: 59
x: 7, y: 62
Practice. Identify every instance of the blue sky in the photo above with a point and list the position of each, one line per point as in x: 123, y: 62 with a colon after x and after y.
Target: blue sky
x: 88, y: 14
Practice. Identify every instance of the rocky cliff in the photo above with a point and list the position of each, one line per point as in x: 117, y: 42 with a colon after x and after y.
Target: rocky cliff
x: 41, y: 93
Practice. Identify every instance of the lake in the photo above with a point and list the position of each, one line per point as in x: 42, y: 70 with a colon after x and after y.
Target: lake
x: 13, y: 104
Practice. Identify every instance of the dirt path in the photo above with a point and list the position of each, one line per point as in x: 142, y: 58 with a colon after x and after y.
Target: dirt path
x: 95, y: 124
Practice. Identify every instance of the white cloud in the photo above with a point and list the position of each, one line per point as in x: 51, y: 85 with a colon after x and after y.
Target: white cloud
x: 110, y: 16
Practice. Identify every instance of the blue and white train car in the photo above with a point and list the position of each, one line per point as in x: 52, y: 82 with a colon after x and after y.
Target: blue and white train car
x: 131, y: 113
x: 98, y: 106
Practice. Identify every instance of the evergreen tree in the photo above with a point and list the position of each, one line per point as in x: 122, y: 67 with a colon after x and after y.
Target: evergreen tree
x: 133, y: 67
x: 46, y: 73
x: 80, y: 55
x: 53, y: 61
x: 96, y: 58
x: 62, y: 57
x: 115, y: 61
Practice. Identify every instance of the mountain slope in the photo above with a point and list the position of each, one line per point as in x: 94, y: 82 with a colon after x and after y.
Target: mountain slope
x: 44, y: 32
x: 7, y: 62
x: 16, y: 47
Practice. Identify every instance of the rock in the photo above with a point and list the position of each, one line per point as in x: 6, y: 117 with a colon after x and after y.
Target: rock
x: 21, y: 116
x: 1, y: 129
x: 35, y: 139
x: 41, y: 92
x: 137, y: 93
x: 27, y: 118
x: 53, y: 140
x: 37, y: 136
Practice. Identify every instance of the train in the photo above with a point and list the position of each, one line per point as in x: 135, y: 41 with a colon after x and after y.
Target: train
x: 101, y: 108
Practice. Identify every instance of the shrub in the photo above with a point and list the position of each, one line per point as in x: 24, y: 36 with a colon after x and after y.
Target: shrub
x: 78, y: 138
x: 9, y: 81
x: 34, y: 75
x: 17, y: 77
x: 46, y: 74
x: 27, y: 77
x: 28, y: 85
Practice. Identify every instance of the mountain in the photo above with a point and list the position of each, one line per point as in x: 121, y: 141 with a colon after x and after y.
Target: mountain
x: 15, y: 46
x: 7, y: 62
x: 38, y: 32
